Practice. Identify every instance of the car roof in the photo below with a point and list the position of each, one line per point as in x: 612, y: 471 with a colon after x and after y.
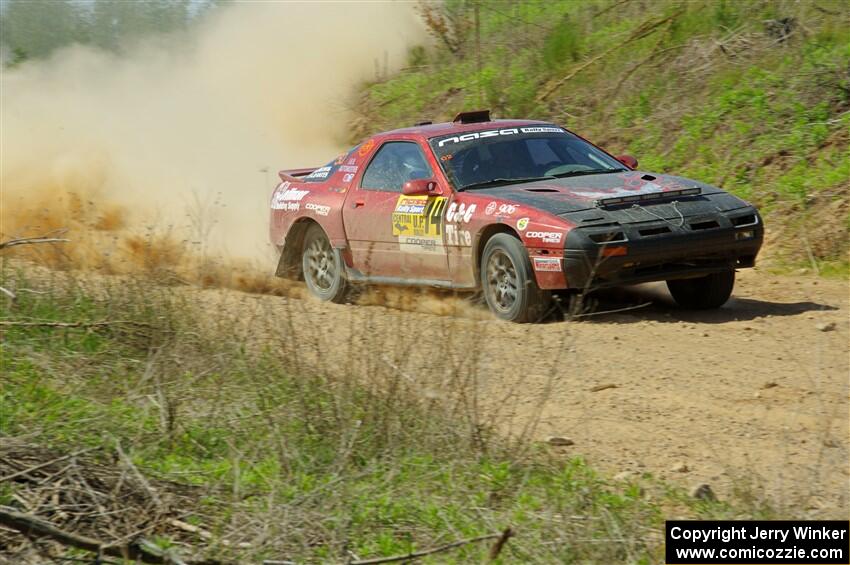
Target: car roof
x: 447, y: 128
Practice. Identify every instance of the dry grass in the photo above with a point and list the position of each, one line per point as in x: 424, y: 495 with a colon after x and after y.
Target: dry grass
x: 289, y: 441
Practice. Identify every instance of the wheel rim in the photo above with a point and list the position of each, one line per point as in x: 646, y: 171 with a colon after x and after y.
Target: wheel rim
x: 502, y: 281
x: 320, y: 267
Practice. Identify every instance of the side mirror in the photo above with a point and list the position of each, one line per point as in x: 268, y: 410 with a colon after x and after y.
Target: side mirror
x: 419, y: 186
x: 628, y: 161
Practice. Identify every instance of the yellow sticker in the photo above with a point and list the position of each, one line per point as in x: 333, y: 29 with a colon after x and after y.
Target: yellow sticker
x: 419, y: 216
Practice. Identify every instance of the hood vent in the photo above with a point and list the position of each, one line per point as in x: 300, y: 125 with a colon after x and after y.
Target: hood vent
x: 647, y: 196
x: 654, y: 231
x: 541, y: 190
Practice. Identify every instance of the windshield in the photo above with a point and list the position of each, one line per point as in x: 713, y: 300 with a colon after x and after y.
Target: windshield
x: 512, y: 155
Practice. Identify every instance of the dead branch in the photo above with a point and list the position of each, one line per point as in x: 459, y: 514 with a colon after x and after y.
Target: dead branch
x: 46, y: 324
x: 141, y: 478
x: 642, y: 31
x: 609, y: 8
x: 500, y: 543
x: 206, y: 535
x: 825, y: 11
x: 31, y: 526
x: 602, y: 312
x: 502, y: 537
x: 31, y: 240
x: 636, y: 66
x: 9, y: 293
x: 139, y: 550
x: 46, y: 464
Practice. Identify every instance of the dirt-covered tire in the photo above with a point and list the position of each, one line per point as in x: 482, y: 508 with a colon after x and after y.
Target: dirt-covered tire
x: 703, y: 293
x: 322, y: 267
x: 508, y: 282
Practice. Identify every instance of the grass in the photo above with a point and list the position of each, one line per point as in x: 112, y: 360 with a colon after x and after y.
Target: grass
x: 717, y: 93
x: 193, y: 396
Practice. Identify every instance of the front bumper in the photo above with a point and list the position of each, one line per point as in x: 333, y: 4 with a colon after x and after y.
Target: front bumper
x: 617, y: 254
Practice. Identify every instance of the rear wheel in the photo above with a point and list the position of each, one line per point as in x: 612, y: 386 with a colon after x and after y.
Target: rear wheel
x: 508, y: 281
x: 703, y: 293
x: 322, y: 267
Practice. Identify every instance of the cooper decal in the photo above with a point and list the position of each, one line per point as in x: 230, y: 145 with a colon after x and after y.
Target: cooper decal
x: 420, y: 244
x: 545, y: 236
x: 320, y: 209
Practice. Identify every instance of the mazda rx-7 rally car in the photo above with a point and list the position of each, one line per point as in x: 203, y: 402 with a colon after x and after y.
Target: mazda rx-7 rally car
x: 516, y: 209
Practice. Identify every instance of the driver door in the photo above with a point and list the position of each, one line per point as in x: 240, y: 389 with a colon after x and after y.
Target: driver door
x: 393, y: 236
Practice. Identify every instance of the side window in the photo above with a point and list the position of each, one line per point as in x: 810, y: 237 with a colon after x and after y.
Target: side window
x: 395, y: 163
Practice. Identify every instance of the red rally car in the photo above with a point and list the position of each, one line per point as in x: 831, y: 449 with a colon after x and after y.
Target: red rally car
x: 515, y: 209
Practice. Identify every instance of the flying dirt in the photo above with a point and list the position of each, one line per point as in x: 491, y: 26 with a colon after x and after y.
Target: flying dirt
x: 180, y: 136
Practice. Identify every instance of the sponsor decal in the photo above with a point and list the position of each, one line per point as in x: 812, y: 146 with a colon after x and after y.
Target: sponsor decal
x: 507, y: 209
x: 348, y: 168
x: 352, y: 161
x: 491, y: 207
x: 495, y: 133
x: 521, y: 224
x: 320, y: 209
x: 419, y: 216
x: 320, y: 173
x: 340, y: 159
x: 458, y: 237
x: 547, y: 264
x: 460, y: 212
x: 413, y: 244
x: 366, y: 148
x: 545, y: 236
x: 541, y: 129
x: 288, y: 206
x: 348, y: 177
x: 285, y: 196
x: 411, y: 204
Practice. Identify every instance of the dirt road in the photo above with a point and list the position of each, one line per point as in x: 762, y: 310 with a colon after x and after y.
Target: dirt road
x: 754, y: 395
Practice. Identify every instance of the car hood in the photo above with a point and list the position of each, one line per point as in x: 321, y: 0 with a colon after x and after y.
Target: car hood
x: 574, y: 194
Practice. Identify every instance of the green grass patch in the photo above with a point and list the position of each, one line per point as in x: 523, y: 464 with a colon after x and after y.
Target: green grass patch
x: 210, y: 411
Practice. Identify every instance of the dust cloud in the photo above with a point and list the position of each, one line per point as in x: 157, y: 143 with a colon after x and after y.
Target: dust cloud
x: 183, y: 135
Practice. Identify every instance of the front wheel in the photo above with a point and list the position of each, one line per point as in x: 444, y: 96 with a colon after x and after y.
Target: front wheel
x: 322, y: 267
x: 509, y: 286
x: 703, y: 293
